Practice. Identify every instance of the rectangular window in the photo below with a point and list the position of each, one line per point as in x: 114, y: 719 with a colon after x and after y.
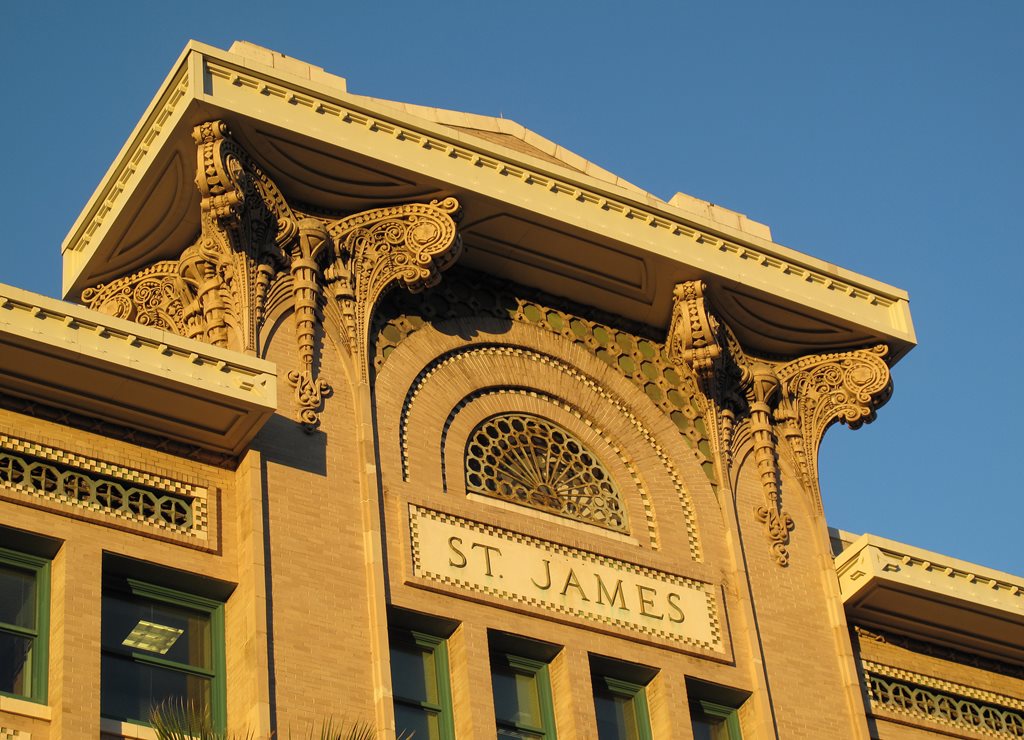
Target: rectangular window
x: 419, y: 677
x: 522, y: 697
x: 714, y: 721
x: 24, y: 625
x: 160, y: 646
x: 621, y: 709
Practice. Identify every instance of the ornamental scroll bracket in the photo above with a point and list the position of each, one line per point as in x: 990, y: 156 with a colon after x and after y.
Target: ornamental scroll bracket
x: 795, y: 401
x: 214, y: 291
x: 817, y: 391
x: 408, y: 245
x: 251, y: 239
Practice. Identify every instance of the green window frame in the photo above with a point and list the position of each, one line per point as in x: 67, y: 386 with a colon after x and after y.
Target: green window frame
x: 713, y: 721
x: 621, y: 709
x: 522, y: 697
x: 421, y: 686
x: 24, y: 625
x: 148, y: 664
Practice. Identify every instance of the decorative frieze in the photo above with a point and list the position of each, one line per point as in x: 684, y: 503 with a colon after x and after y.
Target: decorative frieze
x: 939, y: 651
x: 72, y: 480
x: 630, y: 351
x: 954, y: 706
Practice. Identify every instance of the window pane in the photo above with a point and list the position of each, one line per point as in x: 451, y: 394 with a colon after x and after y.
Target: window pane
x: 616, y: 716
x: 150, y: 627
x: 420, y: 724
x: 710, y: 729
x: 130, y: 690
x: 707, y: 726
x: 15, y: 664
x: 413, y: 673
x: 516, y: 699
x: 17, y: 597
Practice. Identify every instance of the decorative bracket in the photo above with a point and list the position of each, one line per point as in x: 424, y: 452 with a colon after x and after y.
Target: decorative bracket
x: 374, y: 250
x: 692, y: 337
x: 818, y: 390
x: 797, y: 400
x: 251, y: 239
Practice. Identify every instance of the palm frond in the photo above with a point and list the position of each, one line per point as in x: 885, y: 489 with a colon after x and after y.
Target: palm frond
x: 175, y: 720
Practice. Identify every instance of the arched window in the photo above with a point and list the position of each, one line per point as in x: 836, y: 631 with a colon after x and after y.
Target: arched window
x: 534, y: 462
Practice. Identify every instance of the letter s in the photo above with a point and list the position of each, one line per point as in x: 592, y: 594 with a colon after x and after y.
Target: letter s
x: 454, y: 549
x: 673, y: 604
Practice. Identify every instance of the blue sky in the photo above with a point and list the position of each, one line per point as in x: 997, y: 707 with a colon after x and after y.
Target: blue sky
x: 883, y: 136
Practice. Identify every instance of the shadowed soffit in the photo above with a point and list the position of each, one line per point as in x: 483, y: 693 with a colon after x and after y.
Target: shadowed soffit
x: 534, y: 212
x: 932, y: 597
x: 134, y: 376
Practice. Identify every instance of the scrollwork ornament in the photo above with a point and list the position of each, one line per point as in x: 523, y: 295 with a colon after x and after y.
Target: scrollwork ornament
x: 152, y: 297
x: 310, y: 393
x: 410, y: 245
x: 250, y: 238
x: 820, y: 390
x: 778, y: 524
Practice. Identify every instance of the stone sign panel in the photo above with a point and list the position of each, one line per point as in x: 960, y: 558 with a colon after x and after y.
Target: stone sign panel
x: 480, y: 558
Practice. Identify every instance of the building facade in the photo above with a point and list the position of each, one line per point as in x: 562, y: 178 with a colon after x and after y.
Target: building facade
x: 371, y: 412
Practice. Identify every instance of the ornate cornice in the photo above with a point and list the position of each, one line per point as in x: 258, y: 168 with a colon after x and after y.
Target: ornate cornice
x: 251, y: 239
x: 454, y: 149
x: 796, y: 401
x: 136, y: 157
x: 350, y: 113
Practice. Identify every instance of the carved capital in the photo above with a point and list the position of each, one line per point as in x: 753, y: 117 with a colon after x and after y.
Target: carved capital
x: 410, y: 245
x: 251, y: 240
x: 818, y: 390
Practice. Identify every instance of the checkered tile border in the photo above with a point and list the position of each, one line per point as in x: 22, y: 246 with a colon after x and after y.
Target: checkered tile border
x: 947, y: 686
x: 194, y: 496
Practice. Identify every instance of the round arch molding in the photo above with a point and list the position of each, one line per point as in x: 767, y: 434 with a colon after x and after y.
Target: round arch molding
x: 436, y: 387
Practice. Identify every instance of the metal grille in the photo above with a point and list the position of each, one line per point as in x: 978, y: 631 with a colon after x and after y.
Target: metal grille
x: 81, y: 488
x: 947, y: 709
x: 534, y: 462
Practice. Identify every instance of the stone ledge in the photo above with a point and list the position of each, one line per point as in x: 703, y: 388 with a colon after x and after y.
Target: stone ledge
x: 73, y: 358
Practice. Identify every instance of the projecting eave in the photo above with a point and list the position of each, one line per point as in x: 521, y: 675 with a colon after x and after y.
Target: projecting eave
x: 933, y: 597
x: 70, y: 358
x: 533, y: 212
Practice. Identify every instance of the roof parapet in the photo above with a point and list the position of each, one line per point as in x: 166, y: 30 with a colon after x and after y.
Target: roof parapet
x: 260, y: 55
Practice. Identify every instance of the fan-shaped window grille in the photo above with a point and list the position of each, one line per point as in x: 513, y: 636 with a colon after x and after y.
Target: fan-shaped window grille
x: 534, y: 462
